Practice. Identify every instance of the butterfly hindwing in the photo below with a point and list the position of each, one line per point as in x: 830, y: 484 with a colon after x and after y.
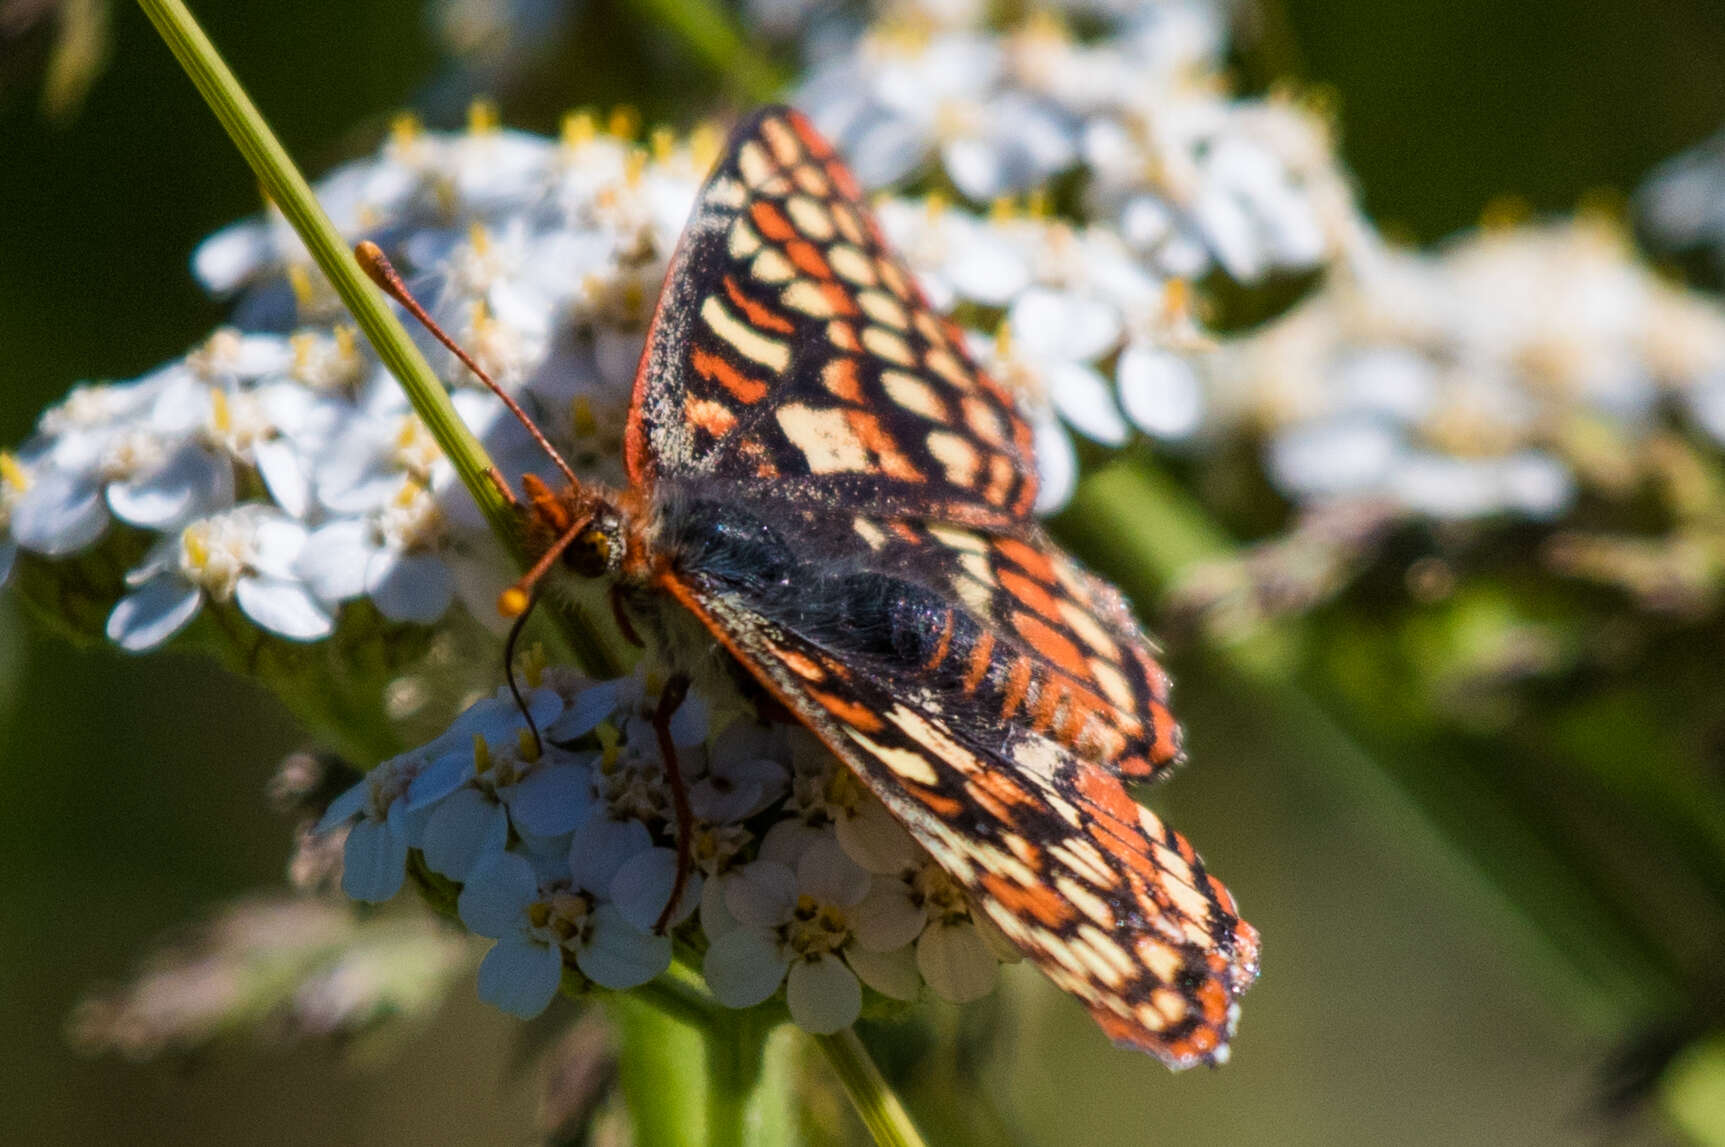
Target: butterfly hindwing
x: 1113, y: 906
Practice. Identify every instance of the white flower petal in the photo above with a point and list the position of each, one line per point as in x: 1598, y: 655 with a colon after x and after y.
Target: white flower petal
x: 446, y: 773
x: 59, y: 514
x: 957, y: 962
x: 284, y: 475
x: 344, y: 807
x: 823, y: 994
x: 1056, y: 465
x: 1083, y: 398
x: 744, y: 967
x: 642, y: 888
x: 761, y: 894
x: 600, y: 847
x: 284, y: 607
x: 875, y: 839
x: 888, y: 917
x: 619, y: 955
x: 553, y: 799
x: 1160, y: 392
x: 827, y: 874
x: 498, y: 891
x: 154, y: 612
x: 520, y: 976
x: 893, y: 974
x: 334, y: 559
x: 411, y: 587
x: 374, y: 860
x: 464, y: 828
x: 585, y: 713
x: 190, y: 484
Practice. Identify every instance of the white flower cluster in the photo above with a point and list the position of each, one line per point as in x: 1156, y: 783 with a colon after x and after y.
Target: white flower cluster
x: 285, y: 472
x: 1190, y: 177
x: 565, y: 851
x: 1484, y: 380
x: 1681, y: 206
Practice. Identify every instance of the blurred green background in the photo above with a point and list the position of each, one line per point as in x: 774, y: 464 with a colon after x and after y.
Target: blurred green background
x: 1400, y: 1000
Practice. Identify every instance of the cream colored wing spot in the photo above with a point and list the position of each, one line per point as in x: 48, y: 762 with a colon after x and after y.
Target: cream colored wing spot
x: 870, y: 533
x: 753, y: 162
x: 973, y: 593
x: 1086, y: 901
x: 727, y: 193
x: 1113, y: 684
x: 748, y: 340
x: 787, y: 149
x: 1080, y: 621
x: 825, y: 437
x: 894, y: 279
x: 918, y: 729
x: 907, y: 763
x: 984, y: 421
x: 851, y: 265
x: 744, y: 240
x: 810, y: 218
x: 976, y: 565
x: 849, y: 225
x: 810, y: 179
x: 1086, y: 860
x: 887, y: 345
x: 1162, y: 960
x: 948, y: 367
x: 914, y: 395
x: 804, y: 296
x: 771, y: 266
x: 883, y: 308
x: 958, y: 539
x: 956, y: 456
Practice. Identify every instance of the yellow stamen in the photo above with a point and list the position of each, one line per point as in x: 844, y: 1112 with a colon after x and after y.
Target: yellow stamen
x: 936, y: 204
x: 1002, y: 209
x: 534, y: 663
x: 195, y: 541
x: 221, y: 413
x: 704, y: 144
x: 304, y: 290
x: 1505, y: 212
x: 479, y: 239
x: 663, y: 141
x: 1037, y: 204
x: 526, y: 747
x: 404, y: 129
x: 579, y: 128
x: 345, y: 344
x: 634, y: 166
x: 481, y: 755
x: 581, y: 415
x: 482, y: 118
x: 1003, y: 341
x: 513, y: 602
x: 624, y: 122
x: 12, y: 472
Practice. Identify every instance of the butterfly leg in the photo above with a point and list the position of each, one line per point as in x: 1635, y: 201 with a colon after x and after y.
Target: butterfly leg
x: 670, y: 699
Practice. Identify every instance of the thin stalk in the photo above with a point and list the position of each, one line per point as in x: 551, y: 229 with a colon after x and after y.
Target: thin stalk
x: 736, y: 1053
x: 875, y: 1102
x: 288, y: 189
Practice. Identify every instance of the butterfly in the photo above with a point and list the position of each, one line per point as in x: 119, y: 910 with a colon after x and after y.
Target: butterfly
x: 821, y: 476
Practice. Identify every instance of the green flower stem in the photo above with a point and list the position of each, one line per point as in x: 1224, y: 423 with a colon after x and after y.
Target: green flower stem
x: 288, y: 189
x: 707, y: 29
x: 1144, y: 530
x: 659, y: 1058
x: 883, y: 1115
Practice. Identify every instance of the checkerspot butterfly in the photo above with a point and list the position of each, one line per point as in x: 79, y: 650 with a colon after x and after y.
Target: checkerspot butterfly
x: 822, y: 477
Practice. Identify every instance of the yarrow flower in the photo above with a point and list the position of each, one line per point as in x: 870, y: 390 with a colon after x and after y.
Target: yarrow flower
x: 565, y: 850
x: 1458, y: 386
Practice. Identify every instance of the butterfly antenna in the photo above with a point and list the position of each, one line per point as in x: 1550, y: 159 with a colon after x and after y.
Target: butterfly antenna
x: 379, y: 270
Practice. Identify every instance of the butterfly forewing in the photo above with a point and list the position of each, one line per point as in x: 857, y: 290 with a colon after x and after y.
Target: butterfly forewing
x: 843, y: 499
x: 792, y: 346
